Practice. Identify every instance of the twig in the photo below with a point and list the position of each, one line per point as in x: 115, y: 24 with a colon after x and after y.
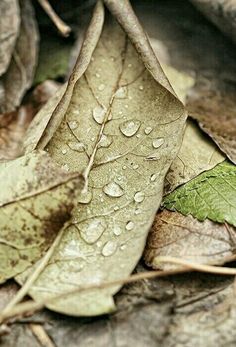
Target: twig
x: 63, y: 28
x: 32, y: 306
x: 41, y: 335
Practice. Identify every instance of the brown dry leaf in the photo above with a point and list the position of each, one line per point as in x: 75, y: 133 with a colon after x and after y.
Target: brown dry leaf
x: 184, y: 237
x: 36, y: 199
x: 214, y: 107
x: 19, y: 76
x: 9, y: 29
x: 120, y: 123
x: 14, y: 125
x: 221, y: 12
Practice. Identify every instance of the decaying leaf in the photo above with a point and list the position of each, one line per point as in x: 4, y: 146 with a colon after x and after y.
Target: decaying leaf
x: 210, y: 195
x: 19, y: 76
x: 121, y: 125
x: 197, y: 154
x: 221, y: 12
x: 175, y: 235
x: 36, y: 199
x: 9, y: 28
x: 214, y: 107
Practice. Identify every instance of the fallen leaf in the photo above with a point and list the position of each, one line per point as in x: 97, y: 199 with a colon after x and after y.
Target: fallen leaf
x: 121, y: 125
x: 214, y: 107
x: 196, y: 155
x: 9, y: 29
x: 19, y: 76
x: 221, y: 12
x: 210, y: 195
x: 13, y: 125
x: 184, y: 237
x: 36, y: 200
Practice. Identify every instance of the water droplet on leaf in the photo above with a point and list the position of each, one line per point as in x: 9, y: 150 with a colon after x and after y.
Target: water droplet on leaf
x: 157, y: 142
x: 92, y: 229
x: 109, y: 249
x: 85, y: 197
x: 113, y: 189
x: 105, y: 141
x: 73, y: 124
x: 129, y: 226
x: 148, y: 130
x: 101, y: 87
x: 121, y: 93
x: 129, y: 128
x: 99, y: 113
x: 139, y: 196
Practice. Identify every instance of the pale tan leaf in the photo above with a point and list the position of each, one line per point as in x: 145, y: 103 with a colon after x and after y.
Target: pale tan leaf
x: 120, y: 124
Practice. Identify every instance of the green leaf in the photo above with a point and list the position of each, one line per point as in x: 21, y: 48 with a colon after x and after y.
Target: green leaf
x: 36, y: 199
x: 121, y: 125
x: 211, y: 195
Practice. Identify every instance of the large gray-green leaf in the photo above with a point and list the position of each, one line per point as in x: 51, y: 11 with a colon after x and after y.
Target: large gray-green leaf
x: 210, y: 195
x: 20, y: 73
x: 9, y: 28
x: 36, y: 199
x: 121, y: 125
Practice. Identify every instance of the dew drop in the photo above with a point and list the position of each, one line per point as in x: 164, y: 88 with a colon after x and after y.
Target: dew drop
x: 97, y: 75
x: 153, y: 157
x: 116, y: 208
x: 64, y: 151
x: 101, y: 87
x: 148, y: 130
x: 99, y: 113
x: 73, y: 124
x: 126, y: 106
x: 117, y: 230
x: 120, y: 112
x: 92, y: 229
x: 135, y: 167
x: 109, y: 249
x: 129, y: 128
x: 124, y: 167
x: 113, y: 189
x: 71, y: 250
x: 129, y: 226
x: 140, y: 87
x: 85, y: 197
x: 153, y: 177
x: 139, y: 196
x: 158, y: 142
x: 129, y: 65
x: 77, y: 146
x: 121, y: 93
x: 105, y: 141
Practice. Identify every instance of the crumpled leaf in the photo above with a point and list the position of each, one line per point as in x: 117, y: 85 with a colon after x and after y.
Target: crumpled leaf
x: 36, y: 199
x: 9, y: 28
x: 221, y: 12
x: 19, y: 76
x: 121, y: 125
x: 214, y: 107
x: 211, y: 195
x: 175, y: 235
x: 197, y: 154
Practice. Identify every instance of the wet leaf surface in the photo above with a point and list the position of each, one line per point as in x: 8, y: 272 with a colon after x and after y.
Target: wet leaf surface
x: 36, y: 200
x: 210, y: 195
x: 23, y: 62
x: 175, y: 235
x: 123, y: 154
x: 9, y: 29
